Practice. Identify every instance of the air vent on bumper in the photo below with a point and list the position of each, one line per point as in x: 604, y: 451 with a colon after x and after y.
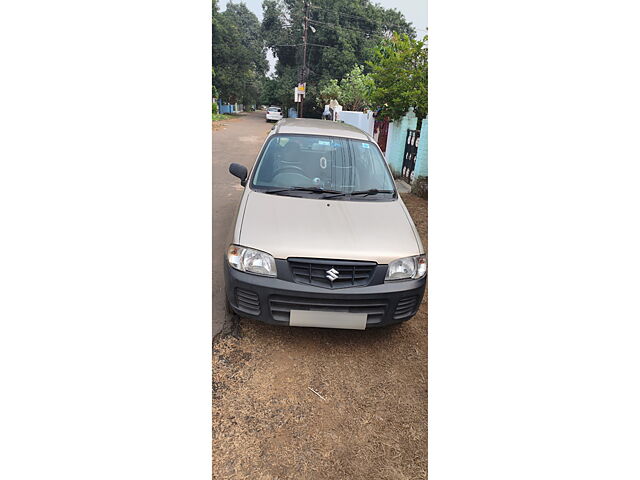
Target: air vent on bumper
x: 248, y: 301
x: 406, y: 308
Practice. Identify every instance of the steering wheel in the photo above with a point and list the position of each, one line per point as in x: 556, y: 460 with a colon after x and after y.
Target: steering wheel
x: 290, y: 169
x: 296, y: 179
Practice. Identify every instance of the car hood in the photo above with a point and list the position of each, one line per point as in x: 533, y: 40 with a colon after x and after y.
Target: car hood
x: 287, y: 226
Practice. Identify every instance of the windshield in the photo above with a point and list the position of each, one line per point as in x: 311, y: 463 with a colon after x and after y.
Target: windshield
x: 274, y: 109
x: 314, y: 165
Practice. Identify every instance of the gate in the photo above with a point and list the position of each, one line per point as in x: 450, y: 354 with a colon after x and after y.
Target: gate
x: 381, y: 127
x: 409, y: 158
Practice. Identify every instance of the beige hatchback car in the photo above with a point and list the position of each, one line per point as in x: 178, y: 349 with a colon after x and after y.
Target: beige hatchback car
x: 321, y: 237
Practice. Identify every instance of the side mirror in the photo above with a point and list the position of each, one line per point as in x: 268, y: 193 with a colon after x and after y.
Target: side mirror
x: 239, y: 171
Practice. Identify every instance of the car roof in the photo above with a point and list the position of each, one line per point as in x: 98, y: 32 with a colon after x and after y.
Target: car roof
x: 312, y: 126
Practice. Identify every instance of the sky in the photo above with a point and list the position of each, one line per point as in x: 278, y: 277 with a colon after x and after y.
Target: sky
x: 415, y: 11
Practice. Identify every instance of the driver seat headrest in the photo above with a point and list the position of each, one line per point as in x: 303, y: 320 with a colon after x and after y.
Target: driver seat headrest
x: 291, y: 153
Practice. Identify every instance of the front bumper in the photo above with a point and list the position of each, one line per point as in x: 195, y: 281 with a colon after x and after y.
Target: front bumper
x: 270, y: 299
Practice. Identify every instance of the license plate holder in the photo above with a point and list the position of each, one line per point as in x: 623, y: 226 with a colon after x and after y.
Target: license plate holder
x: 328, y: 319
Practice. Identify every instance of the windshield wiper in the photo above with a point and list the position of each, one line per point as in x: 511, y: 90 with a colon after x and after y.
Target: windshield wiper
x: 301, y: 189
x: 371, y: 191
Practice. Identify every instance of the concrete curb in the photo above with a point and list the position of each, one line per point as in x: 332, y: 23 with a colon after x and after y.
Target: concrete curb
x: 402, y: 186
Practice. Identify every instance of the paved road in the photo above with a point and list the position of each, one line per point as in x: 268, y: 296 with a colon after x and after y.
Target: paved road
x: 237, y: 140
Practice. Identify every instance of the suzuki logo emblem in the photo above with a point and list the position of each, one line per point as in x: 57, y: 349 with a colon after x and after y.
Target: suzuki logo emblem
x: 332, y: 274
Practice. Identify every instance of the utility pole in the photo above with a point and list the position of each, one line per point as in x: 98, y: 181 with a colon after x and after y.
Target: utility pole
x: 304, y: 52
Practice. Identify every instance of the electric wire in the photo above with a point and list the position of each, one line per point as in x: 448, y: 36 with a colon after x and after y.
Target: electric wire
x: 368, y: 32
x: 380, y: 22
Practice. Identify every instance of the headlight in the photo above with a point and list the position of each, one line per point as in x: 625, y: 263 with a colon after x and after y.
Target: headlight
x: 251, y: 261
x: 406, y: 268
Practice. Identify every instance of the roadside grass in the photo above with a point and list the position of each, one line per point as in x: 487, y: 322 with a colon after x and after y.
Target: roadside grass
x: 216, y: 117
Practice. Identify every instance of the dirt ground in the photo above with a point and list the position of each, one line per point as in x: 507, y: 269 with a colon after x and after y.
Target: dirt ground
x: 303, y: 403
x: 221, y: 124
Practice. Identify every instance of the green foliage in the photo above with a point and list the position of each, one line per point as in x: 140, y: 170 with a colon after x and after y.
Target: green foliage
x: 214, y: 107
x: 353, y: 92
x: 216, y: 117
x: 214, y: 90
x: 279, y: 90
x: 327, y: 91
x: 356, y: 89
x: 238, y: 59
x: 400, y: 73
x: 347, y: 31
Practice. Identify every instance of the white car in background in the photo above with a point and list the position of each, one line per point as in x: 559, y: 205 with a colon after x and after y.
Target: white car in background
x: 274, y: 114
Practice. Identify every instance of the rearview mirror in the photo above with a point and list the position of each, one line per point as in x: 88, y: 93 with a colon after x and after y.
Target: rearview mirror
x: 239, y: 171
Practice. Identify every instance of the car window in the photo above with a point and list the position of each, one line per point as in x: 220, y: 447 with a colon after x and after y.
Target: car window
x: 369, y: 167
x: 327, y: 163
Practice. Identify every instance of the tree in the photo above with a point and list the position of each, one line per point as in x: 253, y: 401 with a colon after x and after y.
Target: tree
x: 279, y: 90
x: 356, y: 89
x: 346, y: 32
x: 353, y: 92
x: 400, y: 75
x: 214, y: 90
x: 327, y: 91
x: 238, y: 54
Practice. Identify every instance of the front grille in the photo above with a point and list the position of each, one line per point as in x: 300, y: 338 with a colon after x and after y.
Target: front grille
x: 248, y: 301
x: 314, y: 272
x: 281, y: 307
x: 406, y: 307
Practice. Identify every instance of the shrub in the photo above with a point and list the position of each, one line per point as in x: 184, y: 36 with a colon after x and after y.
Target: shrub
x: 214, y: 107
x: 419, y: 186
